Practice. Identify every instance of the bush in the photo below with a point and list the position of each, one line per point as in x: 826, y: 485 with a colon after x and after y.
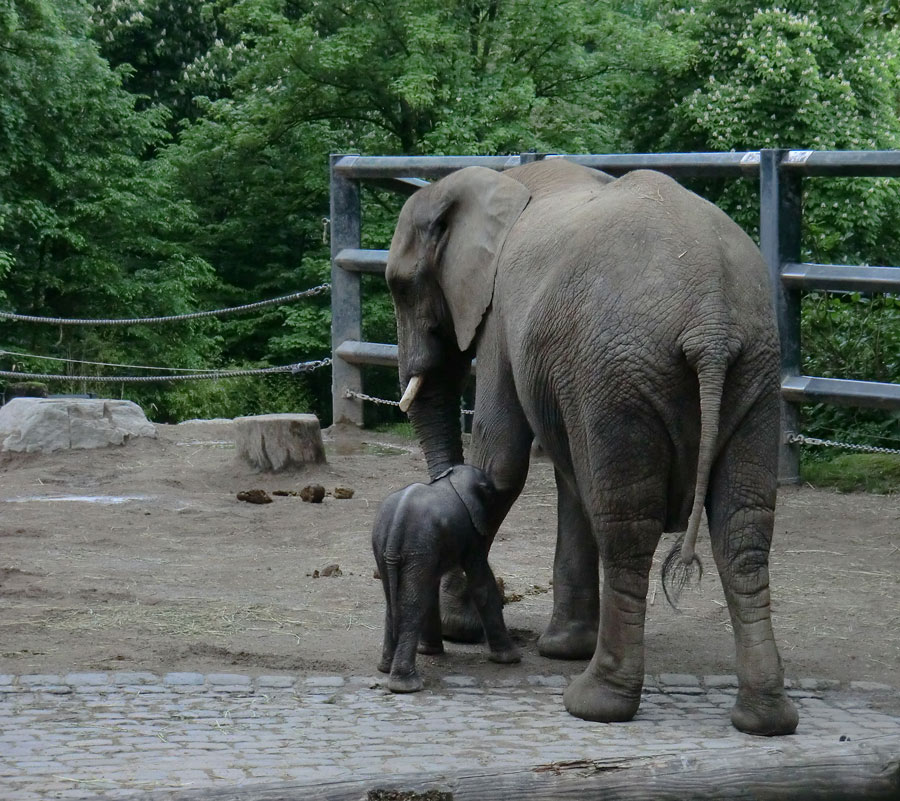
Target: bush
x: 849, y: 335
x: 851, y: 472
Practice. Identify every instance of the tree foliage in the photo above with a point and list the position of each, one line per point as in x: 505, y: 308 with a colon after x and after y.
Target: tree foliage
x: 157, y: 156
x: 88, y: 228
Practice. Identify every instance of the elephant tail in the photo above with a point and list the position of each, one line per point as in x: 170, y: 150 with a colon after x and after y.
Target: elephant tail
x: 682, y: 561
x: 393, y: 562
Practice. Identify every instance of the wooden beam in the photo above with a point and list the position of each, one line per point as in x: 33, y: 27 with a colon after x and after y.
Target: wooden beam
x: 784, y: 769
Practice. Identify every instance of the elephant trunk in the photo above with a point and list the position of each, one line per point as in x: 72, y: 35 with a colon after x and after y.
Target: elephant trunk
x: 432, y: 400
x: 435, y: 418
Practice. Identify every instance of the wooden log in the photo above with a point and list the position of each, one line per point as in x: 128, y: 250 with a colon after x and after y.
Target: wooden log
x: 276, y: 442
x: 781, y: 770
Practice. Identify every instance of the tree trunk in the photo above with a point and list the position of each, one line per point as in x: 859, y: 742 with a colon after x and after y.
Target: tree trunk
x: 276, y: 442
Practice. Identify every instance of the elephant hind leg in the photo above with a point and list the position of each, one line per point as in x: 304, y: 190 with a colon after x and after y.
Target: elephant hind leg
x: 610, y: 688
x: 741, y: 511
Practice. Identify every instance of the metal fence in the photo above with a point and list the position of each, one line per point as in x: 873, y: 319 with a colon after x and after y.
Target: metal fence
x: 780, y: 174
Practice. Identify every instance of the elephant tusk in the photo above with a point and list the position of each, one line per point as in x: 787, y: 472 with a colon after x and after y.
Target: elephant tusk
x: 412, y: 389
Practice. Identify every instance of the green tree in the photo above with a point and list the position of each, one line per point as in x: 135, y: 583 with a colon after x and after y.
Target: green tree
x: 802, y: 75
x: 390, y: 76
x: 87, y: 227
x: 167, y: 45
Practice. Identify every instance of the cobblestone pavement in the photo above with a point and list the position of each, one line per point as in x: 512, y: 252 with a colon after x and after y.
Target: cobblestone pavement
x: 116, y: 735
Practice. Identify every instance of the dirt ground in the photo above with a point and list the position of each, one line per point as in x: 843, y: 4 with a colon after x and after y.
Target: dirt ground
x: 142, y: 558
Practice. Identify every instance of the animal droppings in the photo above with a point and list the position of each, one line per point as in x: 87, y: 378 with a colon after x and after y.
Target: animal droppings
x: 343, y: 493
x: 313, y: 493
x: 254, y: 496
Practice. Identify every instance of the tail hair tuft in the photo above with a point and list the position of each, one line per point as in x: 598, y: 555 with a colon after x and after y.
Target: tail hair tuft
x: 678, y: 574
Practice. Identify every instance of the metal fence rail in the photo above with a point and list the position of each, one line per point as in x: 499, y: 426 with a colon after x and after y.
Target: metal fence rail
x: 780, y: 174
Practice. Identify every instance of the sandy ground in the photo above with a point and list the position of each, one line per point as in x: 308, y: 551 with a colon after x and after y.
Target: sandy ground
x: 142, y: 558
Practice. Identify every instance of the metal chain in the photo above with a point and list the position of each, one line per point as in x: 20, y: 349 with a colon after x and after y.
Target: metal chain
x: 349, y: 393
x: 800, y: 439
x: 306, y: 293
x: 299, y: 367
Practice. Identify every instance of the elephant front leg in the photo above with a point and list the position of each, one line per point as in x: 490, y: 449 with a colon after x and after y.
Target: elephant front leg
x: 501, y: 444
x: 610, y: 689
x: 572, y: 631
x: 489, y: 602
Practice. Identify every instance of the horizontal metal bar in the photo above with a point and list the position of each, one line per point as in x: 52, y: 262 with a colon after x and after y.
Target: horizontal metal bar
x: 373, y: 167
x: 841, y: 277
x: 402, y: 186
x: 885, y: 163
x: 683, y: 165
x: 367, y: 353
x: 362, y: 261
x: 840, y: 391
x: 699, y: 165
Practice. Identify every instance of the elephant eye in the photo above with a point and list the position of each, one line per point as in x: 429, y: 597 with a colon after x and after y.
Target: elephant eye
x: 400, y: 288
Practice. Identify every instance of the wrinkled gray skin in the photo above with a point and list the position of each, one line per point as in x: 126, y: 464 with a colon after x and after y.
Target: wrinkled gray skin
x: 627, y: 325
x: 420, y: 533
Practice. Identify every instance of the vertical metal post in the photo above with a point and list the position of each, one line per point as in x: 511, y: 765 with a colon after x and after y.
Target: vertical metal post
x: 346, y: 297
x: 780, y: 217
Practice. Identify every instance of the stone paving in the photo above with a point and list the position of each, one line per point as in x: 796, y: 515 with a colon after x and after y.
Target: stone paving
x: 118, y: 735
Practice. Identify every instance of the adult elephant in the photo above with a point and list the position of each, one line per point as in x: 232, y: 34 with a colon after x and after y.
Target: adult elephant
x: 627, y: 324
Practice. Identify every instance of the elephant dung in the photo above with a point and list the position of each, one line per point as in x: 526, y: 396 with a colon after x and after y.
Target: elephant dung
x: 313, y: 493
x: 254, y: 496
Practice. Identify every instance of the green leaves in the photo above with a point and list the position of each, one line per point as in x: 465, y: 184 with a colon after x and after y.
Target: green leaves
x: 160, y: 155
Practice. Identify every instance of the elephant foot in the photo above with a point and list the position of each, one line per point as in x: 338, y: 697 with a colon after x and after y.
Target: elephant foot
x: 430, y: 648
x: 507, y: 656
x: 766, y: 715
x: 590, y: 698
x: 459, y: 618
x: 410, y: 683
x: 462, y: 625
x: 384, y: 666
x: 574, y: 640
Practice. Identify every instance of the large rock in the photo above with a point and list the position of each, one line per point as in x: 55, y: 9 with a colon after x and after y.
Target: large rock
x: 275, y: 442
x: 45, y: 425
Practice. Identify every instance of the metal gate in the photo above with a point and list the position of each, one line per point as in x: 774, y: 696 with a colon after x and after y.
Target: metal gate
x: 780, y: 174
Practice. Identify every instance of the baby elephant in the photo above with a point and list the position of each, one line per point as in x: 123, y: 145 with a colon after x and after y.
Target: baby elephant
x: 420, y: 533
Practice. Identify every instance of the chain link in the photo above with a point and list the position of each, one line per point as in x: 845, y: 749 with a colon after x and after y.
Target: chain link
x: 349, y: 393
x: 800, y: 439
x: 294, y: 369
x: 306, y: 293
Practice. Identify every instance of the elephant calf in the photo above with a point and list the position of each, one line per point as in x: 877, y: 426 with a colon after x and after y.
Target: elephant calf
x: 420, y: 533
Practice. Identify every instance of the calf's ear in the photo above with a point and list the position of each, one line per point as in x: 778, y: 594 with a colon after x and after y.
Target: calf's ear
x: 474, y: 502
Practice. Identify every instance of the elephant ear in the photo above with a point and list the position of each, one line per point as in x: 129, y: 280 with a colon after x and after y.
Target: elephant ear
x: 478, y: 207
x: 475, y: 497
